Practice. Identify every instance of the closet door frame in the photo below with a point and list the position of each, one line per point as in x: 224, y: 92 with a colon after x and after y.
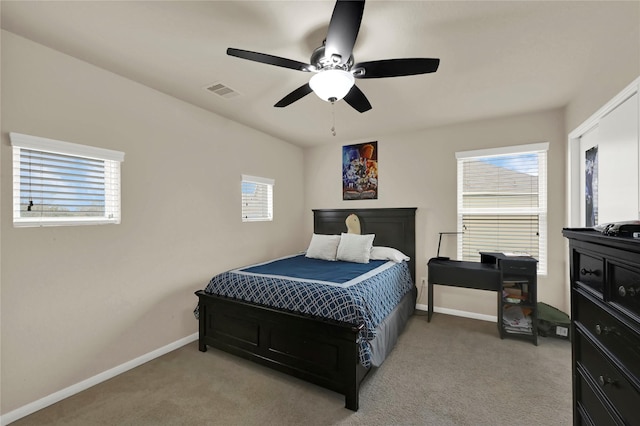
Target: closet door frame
x: 575, y: 155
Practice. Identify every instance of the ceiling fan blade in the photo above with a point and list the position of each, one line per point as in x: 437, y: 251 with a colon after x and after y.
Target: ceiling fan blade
x: 343, y: 29
x: 357, y: 99
x: 297, y: 94
x: 269, y: 59
x: 395, y: 67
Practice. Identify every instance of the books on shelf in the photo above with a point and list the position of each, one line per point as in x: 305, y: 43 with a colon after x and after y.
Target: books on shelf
x: 514, y: 295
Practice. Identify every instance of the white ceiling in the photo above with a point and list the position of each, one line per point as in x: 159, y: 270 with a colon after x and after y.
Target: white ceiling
x: 497, y: 58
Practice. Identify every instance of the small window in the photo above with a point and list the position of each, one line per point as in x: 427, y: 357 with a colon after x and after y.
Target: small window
x: 60, y: 183
x: 502, y: 202
x: 257, y: 199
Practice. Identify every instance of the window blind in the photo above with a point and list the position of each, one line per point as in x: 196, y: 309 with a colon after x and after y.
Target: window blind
x: 502, y: 202
x: 56, y: 183
x: 257, y: 198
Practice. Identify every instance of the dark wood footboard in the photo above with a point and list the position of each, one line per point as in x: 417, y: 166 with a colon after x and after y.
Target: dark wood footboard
x: 316, y: 350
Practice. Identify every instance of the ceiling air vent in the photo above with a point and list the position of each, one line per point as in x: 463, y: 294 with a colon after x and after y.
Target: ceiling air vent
x: 222, y: 90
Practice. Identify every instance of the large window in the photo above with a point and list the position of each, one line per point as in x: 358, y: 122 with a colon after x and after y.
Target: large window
x: 61, y: 183
x: 502, y: 202
x: 257, y: 199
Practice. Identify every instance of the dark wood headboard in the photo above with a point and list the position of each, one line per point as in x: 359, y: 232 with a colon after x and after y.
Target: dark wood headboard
x: 394, y: 227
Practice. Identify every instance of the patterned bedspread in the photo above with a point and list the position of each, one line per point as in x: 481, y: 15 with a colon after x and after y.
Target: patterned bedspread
x: 365, y: 298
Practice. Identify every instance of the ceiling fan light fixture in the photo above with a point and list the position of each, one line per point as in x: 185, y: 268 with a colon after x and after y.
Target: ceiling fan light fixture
x: 332, y: 85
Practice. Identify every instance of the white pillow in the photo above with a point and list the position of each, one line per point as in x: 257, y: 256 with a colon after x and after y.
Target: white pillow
x: 388, y: 253
x: 323, y: 247
x: 355, y: 248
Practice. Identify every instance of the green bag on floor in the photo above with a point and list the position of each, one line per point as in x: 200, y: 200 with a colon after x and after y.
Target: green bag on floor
x: 553, y: 322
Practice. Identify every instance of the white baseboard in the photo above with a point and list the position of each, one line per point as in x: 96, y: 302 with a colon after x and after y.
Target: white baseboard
x: 458, y: 313
x: 30, y: 408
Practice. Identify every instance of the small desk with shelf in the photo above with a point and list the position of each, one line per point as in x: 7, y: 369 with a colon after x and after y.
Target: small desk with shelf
x: 494, y: 272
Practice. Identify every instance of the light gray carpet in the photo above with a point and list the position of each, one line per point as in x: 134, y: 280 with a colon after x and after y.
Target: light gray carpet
x: 452, y: 371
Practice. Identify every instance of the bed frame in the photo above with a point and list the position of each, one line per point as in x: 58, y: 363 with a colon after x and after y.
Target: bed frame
x: 320, y: 351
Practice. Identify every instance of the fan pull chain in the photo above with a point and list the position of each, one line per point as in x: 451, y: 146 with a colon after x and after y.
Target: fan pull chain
x: 333, y: 118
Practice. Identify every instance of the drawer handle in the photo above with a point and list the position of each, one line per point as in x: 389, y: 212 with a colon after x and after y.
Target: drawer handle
x: 606, y: 381
x: 603, y: 329
x: 631, y: 291
x: 595, y: 272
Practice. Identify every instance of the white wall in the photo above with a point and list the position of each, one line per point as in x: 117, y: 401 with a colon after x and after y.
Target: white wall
x: 610, y: 71
x: 77, y: 301
x: 419, y: 170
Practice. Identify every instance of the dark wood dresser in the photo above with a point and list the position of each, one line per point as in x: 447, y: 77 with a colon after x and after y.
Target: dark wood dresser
x: 605, y: 318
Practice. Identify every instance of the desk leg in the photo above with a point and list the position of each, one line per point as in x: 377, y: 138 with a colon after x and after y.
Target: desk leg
x: 430, y: 301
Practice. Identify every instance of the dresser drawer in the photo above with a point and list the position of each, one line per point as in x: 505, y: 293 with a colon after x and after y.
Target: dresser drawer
x: 591, y: 409
x: 621, y: 340
x: 609, y: 379
x: 625, y: 286
x: 590, y: 271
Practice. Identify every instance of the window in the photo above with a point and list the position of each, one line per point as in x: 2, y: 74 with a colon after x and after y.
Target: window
x: 61, y: 183
x: 502, y: 202
x: 257, y: 199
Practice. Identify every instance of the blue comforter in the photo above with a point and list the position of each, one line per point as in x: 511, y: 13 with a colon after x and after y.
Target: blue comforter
x: 355, y: 293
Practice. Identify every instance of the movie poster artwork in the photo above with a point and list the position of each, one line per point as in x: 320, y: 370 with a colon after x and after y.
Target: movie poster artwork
x: 591, y: 187
x: 360, y: 171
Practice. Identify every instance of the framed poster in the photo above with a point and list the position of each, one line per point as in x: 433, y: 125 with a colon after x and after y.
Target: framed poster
x: 591, y: 186
x: 360, y: 171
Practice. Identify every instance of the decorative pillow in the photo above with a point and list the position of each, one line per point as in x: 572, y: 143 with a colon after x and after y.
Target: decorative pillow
x: 323, y: 247
x: 355, y: 248
x: 388, y: 253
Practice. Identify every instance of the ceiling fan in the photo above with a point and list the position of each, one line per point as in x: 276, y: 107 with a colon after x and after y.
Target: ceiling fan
x: 334, y: 65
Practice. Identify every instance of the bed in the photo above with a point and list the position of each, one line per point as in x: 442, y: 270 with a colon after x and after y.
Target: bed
x: 333, y: 351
